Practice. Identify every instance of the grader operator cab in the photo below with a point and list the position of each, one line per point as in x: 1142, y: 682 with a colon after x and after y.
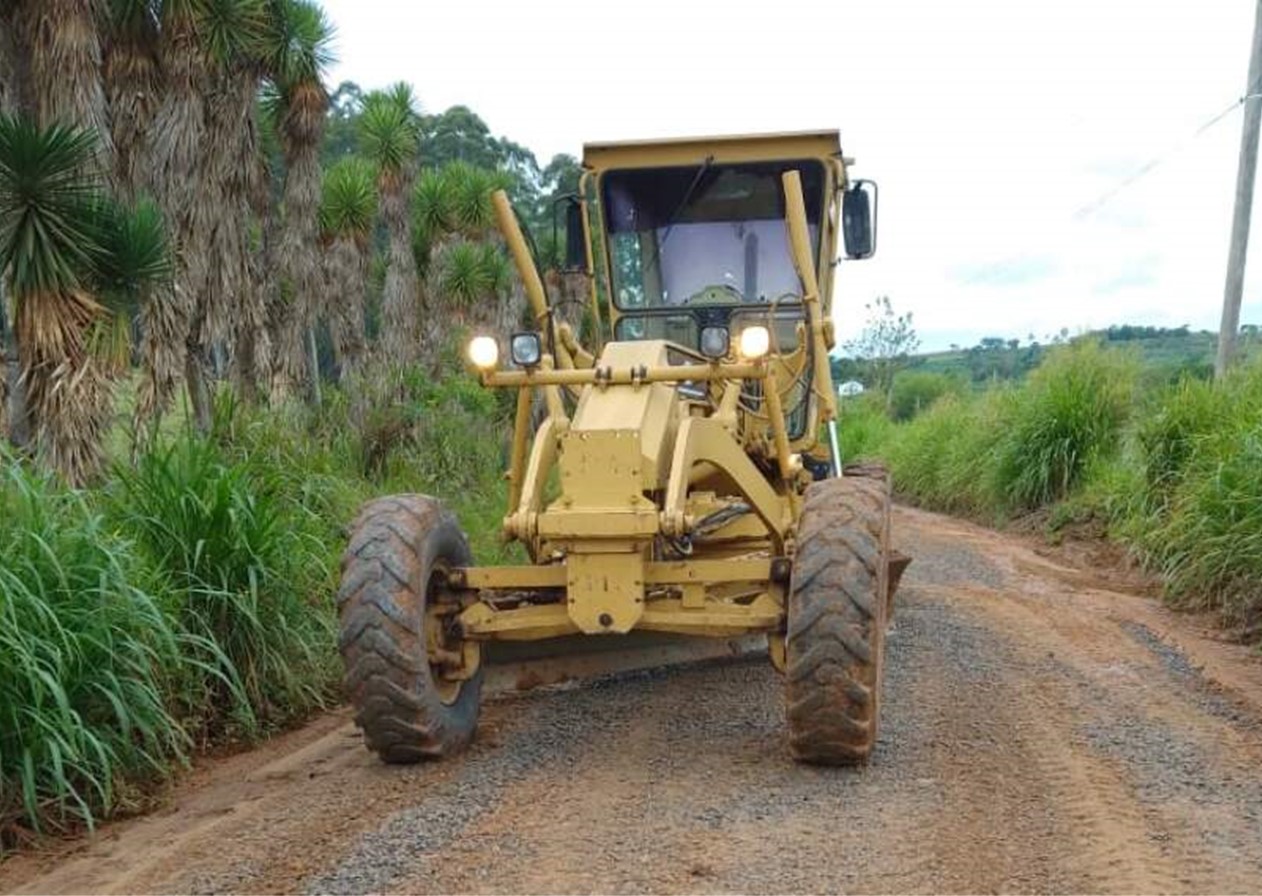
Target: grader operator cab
x: 687, y: 481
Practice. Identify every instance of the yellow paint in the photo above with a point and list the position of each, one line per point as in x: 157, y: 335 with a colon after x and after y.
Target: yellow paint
x: 672, y: 503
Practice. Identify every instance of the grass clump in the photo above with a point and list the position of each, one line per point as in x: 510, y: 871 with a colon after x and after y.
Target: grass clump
x: 863, y: 428
x: 1200, y: 519
x: 189, y: 601
x: 1172, y: 431
x: 241, y: 571
x: 1209, y: 545
x: 1071, y: 411
x: 86, y: 655
x: 915, y: 391
x: 1176, y: 473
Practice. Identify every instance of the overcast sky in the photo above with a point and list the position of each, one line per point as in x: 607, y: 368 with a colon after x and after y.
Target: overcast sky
x: 993, y: 129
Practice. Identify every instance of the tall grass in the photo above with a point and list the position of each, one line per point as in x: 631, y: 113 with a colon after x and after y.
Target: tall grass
x: 1175, y: 474
x: 238, y: 565
x: 1070, y: 411
x: 1209, y: 545
x: 85, y: 655
x: 1200, y: 518
x: 945, y: 457
x: 188, y: 601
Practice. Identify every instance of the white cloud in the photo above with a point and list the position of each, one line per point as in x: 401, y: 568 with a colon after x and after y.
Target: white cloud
x: 988, y: 124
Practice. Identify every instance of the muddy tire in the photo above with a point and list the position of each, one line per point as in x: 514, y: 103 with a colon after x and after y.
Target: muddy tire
x: 835, y: 643
x: 409, y: 706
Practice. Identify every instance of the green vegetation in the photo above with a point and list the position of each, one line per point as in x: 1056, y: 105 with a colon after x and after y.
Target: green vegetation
x: 1173, y: 471
x: 86, y: 652
x: 1165, y: 354
x: 165, y: 585
x: 187, y: 602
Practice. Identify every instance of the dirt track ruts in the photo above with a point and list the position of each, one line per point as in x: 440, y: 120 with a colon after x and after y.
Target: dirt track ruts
x: 1041, y: 732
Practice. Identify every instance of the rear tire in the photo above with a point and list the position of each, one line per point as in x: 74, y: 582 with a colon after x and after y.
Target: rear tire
x: 838, y: 607
x: 393, y: 582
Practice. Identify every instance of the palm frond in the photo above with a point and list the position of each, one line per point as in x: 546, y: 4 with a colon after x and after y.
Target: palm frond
x: 46, y: 185
x: 349, y: 203
x: 434, y: 203
x: 109, y: 341
x: 232, y: 31
x: 473, y: 188
x: 499, y: 271
x: 299, y: 42
x: 135, y: 254
x: 463, y: 275
x: 390, y: 128
x: 298, y: 51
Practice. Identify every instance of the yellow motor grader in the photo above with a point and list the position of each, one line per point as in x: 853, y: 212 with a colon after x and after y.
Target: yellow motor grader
x: 687, y: 481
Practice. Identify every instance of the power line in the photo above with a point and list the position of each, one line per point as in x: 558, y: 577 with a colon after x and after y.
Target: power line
x: 1108, y: 195
x: 1147, y: 168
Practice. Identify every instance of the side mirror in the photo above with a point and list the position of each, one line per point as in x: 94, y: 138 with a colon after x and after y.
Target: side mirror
x: 575, y: 259
x: 575, y: 237
x: 858, y: 219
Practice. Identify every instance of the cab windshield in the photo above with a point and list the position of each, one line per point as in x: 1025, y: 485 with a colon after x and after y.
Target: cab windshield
x: 706, y: 234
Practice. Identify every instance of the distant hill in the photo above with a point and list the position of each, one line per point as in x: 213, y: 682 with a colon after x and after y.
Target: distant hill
x: 1164, y: 352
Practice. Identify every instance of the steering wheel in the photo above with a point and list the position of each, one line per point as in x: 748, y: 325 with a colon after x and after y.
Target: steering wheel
x: 717, y: 294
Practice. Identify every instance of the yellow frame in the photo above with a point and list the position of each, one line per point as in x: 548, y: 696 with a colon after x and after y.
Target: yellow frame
x: 640, y: 471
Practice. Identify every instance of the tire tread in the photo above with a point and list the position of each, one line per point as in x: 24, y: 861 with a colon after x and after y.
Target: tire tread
x: 835, y: 632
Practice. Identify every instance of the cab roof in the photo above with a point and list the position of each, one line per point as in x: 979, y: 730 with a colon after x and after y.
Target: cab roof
x: 726, y: 148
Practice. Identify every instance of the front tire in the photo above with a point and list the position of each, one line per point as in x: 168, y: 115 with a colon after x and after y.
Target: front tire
x: 838, y: 608
x: 412, y: 698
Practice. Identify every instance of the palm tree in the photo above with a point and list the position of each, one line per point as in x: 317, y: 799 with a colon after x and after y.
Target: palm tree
x: 466, y: 274
x: 300, y: 55
x: 10, y: 89
x: 174, y: 152
x: 47, y: 242
x: 50, y: 67
x: 234, y: 186
x: 347, y: 213
x: 61, y: 47
x: 389, y: 128
x: 470, y: 279
x: 80, y: 267
x: 131, y: 270
x: 211, y: 183
x: 133, y: 85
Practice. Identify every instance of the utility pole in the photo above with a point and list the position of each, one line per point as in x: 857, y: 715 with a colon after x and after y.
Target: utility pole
x: 1244, y: 204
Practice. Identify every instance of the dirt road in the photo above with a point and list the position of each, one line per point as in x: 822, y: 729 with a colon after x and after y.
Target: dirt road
x: 1041, y: 733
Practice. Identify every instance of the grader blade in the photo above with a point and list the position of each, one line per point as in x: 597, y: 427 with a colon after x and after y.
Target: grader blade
x: 526, y: 665
x: 898, y: 564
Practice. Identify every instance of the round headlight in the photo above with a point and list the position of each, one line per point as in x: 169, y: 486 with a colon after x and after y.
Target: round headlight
x: 754, y: 343
x: 525, y: 349
x: 484, y: 352
x: 714, y: 342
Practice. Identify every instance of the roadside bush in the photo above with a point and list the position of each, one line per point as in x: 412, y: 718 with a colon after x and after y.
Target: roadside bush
x: 943, y: 458
x: 1209, y: 545
x: 1200, y: 523
x: 461, y: 439
x: 863, y: 427
x: 916, y: 390
x: 85, y: 656
x: 1170, y: 433
x: 1071, y: 410
x: 243, y: 572
x: 1177, y: 477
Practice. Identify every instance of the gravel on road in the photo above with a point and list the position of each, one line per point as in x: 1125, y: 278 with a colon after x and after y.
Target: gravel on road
x: 1041, y: 732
